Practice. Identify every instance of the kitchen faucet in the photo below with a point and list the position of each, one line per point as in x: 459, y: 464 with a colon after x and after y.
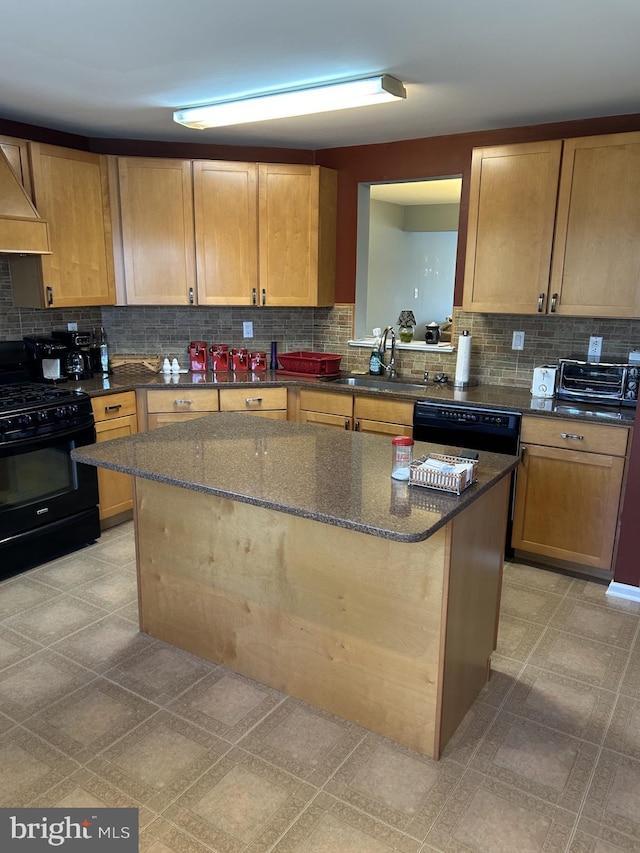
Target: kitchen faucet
x: 391, y: 367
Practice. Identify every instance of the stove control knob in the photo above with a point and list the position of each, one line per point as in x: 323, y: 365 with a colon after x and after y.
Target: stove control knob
x: 25, y: 420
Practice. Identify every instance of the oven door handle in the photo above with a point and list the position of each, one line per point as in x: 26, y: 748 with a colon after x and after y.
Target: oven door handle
x: 33, y: 441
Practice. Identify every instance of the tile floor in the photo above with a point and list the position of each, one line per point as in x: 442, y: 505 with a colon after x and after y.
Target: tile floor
x: 92, y: 713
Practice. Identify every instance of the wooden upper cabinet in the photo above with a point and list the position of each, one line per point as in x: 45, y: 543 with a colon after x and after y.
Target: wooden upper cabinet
x: 512, y: 204
x: 70, y: 190
x: 596, y: 259
x: 17, y: 153
x: 297, y: 233
x: 156, y: 255
x: 226, y: 231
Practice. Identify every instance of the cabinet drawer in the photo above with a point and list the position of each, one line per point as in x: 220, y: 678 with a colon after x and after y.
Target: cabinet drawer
x: 111, y: 406
x: 183, y: 400
x: 575, y: 435
x: 252, y: 399
x: 331, y: 402
x: 390, y: 411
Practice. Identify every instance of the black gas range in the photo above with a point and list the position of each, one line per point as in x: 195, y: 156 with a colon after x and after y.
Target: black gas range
x: 48, y: 503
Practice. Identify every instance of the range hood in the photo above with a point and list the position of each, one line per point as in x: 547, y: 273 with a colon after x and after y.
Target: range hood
x: 22, y: 231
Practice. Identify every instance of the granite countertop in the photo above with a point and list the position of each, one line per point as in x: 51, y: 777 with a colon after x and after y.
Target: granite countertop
x: 333, y: 476
x: 500, y: 397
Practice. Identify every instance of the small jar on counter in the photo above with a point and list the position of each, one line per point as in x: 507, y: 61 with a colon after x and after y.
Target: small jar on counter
x: 401, y: 459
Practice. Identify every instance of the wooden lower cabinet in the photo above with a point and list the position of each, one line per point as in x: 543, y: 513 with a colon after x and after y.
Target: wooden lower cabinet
x: 115, y: 417
x: 267, y: 402
x: 383, y: 417
x: 568, y: 491
x: 168, y: 406
x: 325, y: 408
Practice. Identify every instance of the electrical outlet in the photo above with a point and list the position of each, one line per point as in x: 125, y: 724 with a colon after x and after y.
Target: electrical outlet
x: 518, y: 340
x: 595, y: 348
x: 247, y: 329
x: 72, y: 327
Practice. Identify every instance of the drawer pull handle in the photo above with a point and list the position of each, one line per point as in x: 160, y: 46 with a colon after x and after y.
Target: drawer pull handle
x: 250, y: 400
x: 554, y: 301
x: 346, y: 423
x: 571, y: 435
x: 183, y: 402
x: 112, y: 408
x: 540, y: 303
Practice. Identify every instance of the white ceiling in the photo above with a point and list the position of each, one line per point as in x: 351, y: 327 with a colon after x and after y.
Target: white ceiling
x: 119, y: 68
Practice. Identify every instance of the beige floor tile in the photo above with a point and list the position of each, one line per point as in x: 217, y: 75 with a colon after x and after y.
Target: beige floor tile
x: 32, y: 685
x: 537, y: 761
x: 110, y: 591
x: 487, y: 816
x: 331, y: 826
x: 118, y: 551
x: 611, y: 812
x: 395, y: 785
x: 30, y: 766
x: 130, y: 612
x: 580, y: 658
x: 163, y: 837
x: 21, y: 593
x: 534, y: 605
x: 470, y: 732
x: 160, y: 672
x: 89, y: 720
x: 585, y: 843
x: 517, y: 637
x: 603, y: 624
x: 630, y: 685
x: 240, y: 803
x: 303, y: 740
x: 536, y: 578
x: 159, y: 760
x: 227, y: 704
x: 623, y: 734
x: 105, y: 643
x: 596, y: 593
x: 562, y: 703
x: 14, y: 647
x: 504, y: 674
x: 69, y: 572
x: 50, y: 621
x: 83, y: 789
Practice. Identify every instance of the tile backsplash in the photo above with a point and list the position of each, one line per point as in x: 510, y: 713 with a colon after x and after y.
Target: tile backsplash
x: 167, y: 331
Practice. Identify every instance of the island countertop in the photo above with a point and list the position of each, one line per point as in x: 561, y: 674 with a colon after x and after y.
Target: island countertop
x: 337, y: 477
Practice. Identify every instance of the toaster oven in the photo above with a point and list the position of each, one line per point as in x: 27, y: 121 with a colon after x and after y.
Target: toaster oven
x: 598, y: 382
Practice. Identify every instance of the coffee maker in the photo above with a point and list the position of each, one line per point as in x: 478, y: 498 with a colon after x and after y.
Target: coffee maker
x: 77, y: 363
x: 46, y: 359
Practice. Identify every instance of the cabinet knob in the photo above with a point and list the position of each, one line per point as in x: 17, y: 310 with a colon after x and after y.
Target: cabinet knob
x: 346, y: 424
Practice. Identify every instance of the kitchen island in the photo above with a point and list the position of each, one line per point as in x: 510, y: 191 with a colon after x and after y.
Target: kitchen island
x: 287, y: 553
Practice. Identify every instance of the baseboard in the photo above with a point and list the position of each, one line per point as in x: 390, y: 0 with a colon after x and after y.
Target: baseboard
x: 623, y: 590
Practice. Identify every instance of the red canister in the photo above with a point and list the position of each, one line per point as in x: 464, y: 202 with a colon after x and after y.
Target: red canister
x: 257, y: 361
x: 239, y: 360
x: 219, y: 357
x: 198, y: 356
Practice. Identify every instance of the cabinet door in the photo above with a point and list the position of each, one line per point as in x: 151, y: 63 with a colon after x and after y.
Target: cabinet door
x: 17, y: 153
x: 115, y: 489
x: 325, y: 419
x: 296, y: 216
x: 596, y: 259
x: 567, y: 505
x: 71, y: 191
x: 512, y: 206
x: 226, y: 223
x: 158, y: 242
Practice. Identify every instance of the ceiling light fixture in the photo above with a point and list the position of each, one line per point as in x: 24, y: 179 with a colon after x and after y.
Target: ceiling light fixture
x: 296, y: 102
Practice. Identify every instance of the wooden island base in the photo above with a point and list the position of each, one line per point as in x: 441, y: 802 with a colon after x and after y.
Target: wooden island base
x: 396, y: 637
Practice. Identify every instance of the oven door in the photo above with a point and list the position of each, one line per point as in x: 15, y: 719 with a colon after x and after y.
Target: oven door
x: 41, y: 484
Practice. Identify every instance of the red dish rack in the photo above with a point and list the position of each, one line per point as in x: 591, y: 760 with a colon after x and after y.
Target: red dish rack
x: 303, y: 363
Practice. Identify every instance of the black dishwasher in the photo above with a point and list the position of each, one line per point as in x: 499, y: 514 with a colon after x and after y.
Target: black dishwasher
x: 464, y: 427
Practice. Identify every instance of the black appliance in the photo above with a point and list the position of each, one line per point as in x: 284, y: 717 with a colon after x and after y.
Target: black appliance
x: 45, y: 359
x: 598, y: 382
x: 470, y: 428
x: 78, y: 359
x: 48, y: 502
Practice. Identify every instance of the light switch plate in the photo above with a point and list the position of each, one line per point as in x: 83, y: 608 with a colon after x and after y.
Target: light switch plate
x: 247, y: 329
x: 518, y: 340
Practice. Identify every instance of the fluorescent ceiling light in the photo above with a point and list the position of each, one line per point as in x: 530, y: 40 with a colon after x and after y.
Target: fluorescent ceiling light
x: 297, y: 102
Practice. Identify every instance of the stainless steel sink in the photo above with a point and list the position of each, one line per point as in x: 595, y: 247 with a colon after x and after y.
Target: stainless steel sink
x: 372, y: 384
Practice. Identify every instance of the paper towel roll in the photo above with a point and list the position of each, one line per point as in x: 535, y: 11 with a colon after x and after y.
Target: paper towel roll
x: 463, y: 360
